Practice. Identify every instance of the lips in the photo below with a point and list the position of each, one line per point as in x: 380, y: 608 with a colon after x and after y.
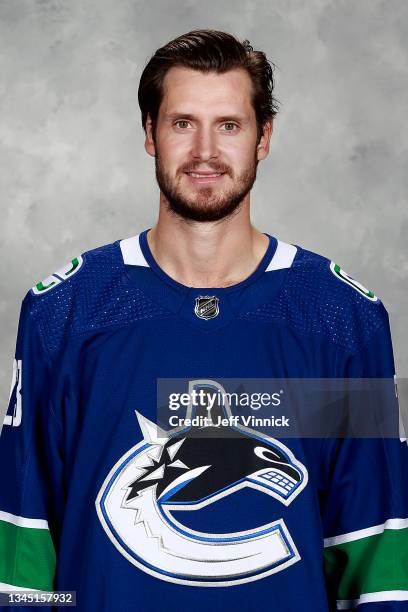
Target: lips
x: 204, y: 174
x: 199, y: 178
x: 199, y: 174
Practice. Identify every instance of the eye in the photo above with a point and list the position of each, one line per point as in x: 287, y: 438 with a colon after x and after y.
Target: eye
x: 268, y: 454
x: 230, y: 123
x: 181, y: 121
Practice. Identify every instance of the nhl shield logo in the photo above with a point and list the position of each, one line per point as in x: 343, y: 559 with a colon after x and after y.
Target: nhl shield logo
x: 206, y: 306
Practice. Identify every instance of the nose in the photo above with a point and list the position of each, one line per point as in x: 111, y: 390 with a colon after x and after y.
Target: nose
x: 205, y: 145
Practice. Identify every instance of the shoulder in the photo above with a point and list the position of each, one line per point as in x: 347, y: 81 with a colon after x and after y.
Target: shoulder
x: 65, y: 301
x: 319, y: 297
x: 77, y: 270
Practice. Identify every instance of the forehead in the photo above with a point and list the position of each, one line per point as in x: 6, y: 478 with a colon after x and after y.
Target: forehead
x: 192, y: 88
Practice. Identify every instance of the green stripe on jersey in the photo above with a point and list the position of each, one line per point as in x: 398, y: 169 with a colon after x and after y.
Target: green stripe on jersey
x: 367, y: 565
x: 27, y: 557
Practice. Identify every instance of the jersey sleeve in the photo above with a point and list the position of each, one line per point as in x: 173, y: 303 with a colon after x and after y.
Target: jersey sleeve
x: 30, y: 467
x: 365, y: 510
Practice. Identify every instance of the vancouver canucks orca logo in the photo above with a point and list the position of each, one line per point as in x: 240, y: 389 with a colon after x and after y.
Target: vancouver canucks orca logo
x: 176, y: 472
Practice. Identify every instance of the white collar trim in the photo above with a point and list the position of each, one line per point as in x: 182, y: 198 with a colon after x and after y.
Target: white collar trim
x: 133, y: 256
x: 132, y: 253
x: 283, y: 256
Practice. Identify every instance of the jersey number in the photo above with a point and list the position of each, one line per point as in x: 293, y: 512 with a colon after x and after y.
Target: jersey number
x: 14, y: 419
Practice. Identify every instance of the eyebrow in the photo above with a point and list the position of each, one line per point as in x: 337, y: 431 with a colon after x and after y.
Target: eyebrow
x: 190, y: 117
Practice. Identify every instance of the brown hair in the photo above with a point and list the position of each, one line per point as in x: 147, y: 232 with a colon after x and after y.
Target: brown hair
x: 206, y: 51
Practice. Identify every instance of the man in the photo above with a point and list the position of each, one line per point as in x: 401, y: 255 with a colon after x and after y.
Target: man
x: 98, y: 499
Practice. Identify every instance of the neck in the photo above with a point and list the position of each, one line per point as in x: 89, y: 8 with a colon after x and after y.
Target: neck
x: 210, y: 254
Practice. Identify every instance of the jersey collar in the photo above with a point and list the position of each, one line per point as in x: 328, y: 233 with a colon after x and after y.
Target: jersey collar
x: 180, y: 299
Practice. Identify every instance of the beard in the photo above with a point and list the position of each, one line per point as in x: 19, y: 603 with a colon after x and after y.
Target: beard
x: 205, y: 203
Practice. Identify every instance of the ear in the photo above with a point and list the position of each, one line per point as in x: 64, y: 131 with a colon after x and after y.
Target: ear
x: 149, y: 143
x: 263, y: 145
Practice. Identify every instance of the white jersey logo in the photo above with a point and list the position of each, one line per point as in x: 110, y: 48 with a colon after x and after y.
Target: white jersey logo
x: 169, y: 473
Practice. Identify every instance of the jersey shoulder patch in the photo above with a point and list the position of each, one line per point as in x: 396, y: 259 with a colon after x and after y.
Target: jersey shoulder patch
x: 351, y: 282
x: 62, y: 274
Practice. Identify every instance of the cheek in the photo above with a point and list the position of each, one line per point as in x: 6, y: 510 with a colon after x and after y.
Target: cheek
x: 175, y: 155
x: 175, y: 146
x: 238, y: 154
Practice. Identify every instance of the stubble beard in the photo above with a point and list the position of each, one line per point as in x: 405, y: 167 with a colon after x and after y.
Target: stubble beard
x: 207, y: 204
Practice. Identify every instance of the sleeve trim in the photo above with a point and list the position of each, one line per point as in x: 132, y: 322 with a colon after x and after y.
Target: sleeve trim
x: 22, y: 521
x: 350, y: 604
x: 396, y: 523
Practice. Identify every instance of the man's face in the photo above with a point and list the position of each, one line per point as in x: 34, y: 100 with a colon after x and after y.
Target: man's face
x: 206, y: 124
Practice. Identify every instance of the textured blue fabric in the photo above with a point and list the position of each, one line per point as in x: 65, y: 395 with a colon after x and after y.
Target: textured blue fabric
x: 92, y: 349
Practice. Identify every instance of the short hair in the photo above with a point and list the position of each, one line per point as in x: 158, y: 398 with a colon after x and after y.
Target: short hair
x: 208, y: 51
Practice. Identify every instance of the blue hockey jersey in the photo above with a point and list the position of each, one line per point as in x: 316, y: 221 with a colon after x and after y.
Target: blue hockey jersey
x: 96, y: 498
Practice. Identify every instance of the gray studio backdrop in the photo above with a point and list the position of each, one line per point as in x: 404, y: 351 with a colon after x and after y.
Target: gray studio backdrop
x: 74, y: 173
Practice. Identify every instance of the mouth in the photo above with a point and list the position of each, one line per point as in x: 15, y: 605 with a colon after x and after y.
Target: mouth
x: 200, y: 177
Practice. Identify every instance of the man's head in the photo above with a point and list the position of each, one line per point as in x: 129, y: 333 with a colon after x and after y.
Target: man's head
x: 207, y: 107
